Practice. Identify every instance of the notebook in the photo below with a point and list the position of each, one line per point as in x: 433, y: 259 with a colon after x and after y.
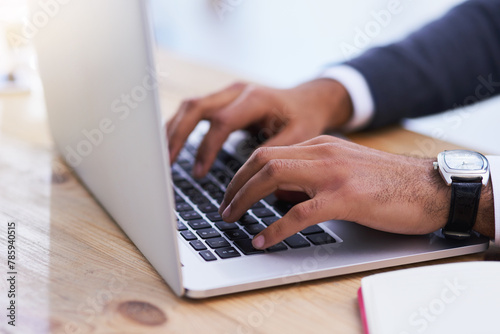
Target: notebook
x: 447, y: 298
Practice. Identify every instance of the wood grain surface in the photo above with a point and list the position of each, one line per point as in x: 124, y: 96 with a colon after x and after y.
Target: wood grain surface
x: 79, y: 273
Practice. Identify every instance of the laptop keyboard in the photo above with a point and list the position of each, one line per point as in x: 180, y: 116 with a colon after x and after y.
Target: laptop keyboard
x: 201, y: 226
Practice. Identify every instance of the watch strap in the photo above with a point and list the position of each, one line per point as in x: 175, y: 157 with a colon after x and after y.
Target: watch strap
x: 465, y: 195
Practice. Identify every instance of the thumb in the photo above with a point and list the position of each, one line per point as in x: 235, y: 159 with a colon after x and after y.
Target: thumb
x: 291, y: 134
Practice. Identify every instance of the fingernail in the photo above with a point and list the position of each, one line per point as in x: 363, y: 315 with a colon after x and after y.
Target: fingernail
x: 258, y: 242
x: 222, y: 207
x: 197, y: 169
x: 226, y: 212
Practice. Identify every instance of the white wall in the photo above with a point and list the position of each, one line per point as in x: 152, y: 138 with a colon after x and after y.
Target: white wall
x: 282, y: 42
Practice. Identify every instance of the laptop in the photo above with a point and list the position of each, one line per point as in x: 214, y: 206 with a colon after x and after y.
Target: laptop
x: 96, y: 61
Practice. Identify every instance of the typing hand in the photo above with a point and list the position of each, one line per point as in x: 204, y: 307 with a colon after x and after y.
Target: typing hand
x: 343, y: 181
x: 289, y: 116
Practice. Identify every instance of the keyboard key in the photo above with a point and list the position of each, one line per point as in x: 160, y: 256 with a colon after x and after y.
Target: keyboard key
x: 190, y: 215
x: 176, y: 168
x: 183, y: 207
x: 207, y: 208
x: 245, y: 245
x: 199, y: 200
x: 220, y: 175
x: 181, y: 226
x: 176, y: 176
x: 183, y: 184
x: 218, y: 199
x: 234, y: 166
x: 190, y: 148
x: 297, y: 241
x: 216, y: 194
x: 217, y: 242
x: 178, y: 199
x: 261, y: 213
x: 247, y: 220
x: 181, y: 160
x: 269, y: 220
x: 321, y: 238
x: 312, y: 230
x: 223, y: 226
x: 208, y: 233
x: 188, y: 235
x: 207, y: 255
x: 214, y: 216
x: 204, y: 180
x: 282, y: 207
x: 199, y: 224
x: 229, y: 161
x: 236, y: 234
x: 277, y: 248
x: 191, y: 192
x: 198, y: 245
x: 186, y: 165
x: 210, y: 187
x: 271, y: 199
x: 226, y: 253
x: 257, y: 205
x: 254, y: 228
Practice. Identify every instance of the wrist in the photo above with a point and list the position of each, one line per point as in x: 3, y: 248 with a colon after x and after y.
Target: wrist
x: 437, y: 206
x: 334, y: 102
x: 485, y: 215
x: 485, y: 221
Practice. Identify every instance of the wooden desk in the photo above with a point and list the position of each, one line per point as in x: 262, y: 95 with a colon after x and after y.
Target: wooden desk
x: 78, y: 273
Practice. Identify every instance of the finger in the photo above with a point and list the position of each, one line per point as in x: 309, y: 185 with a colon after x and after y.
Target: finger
x: 292, y: 133
x: 183, y: 123
x: 209, y: 147
x: 258, y: 160
x: 192, y: 111
x: 291, y: 175
x: 298, y: 218
x: 210, y: 102
x: 250, y: 106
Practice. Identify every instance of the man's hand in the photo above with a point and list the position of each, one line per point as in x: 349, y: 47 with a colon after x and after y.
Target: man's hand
x: 343, y: 181
x: 288, y: 115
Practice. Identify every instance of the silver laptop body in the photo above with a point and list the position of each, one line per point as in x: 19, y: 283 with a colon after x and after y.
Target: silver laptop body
x: 97, y: 67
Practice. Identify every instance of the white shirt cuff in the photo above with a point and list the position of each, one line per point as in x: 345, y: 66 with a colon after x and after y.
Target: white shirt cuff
x: 495, y: 184
x: 360, y: 93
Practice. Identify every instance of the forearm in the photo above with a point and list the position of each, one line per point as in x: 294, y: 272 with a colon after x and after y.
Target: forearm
x: 437, y: 204
x: 485, y: 222
x: 333, y: 97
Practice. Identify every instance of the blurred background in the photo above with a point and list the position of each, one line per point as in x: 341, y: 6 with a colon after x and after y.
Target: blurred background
x: 284, y: 42
x: 279, y: 43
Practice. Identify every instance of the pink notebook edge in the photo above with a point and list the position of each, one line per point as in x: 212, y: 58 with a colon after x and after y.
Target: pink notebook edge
x: 362, y: 311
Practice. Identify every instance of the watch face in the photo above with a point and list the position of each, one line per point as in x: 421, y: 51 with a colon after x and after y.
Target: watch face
x: 464, y: 160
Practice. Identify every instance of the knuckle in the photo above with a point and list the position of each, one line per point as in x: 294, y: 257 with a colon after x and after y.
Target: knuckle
x: 220, y: 121
x: 301, y: 212
x: 238, y: 85
x: 277, y: 230
x: 260, y: 155
x: 330, y: 147
x: 325, y: 138
x: 255, y: 92
x: 273, y: 168
x: 191, y: 104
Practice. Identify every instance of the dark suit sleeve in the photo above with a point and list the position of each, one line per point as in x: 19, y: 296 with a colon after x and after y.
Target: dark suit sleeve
x: 450, y: 62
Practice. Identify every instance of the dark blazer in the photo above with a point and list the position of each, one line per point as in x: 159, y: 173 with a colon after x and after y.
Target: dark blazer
x: 450, y: 62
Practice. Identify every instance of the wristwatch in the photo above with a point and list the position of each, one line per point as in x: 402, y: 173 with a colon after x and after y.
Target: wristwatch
x: 466, y: 172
